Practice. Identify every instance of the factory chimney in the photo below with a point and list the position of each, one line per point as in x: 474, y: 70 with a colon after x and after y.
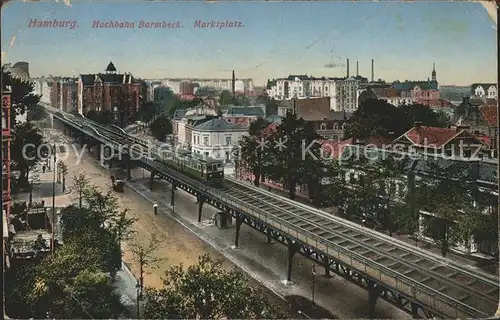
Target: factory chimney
x: 347, y: 67
x: 357, y: 68
x: 233, y: 88
x: 373, y: 75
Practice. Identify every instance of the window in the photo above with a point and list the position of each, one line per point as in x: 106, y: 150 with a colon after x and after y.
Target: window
x: 323, y: 126
x: 335, y: 126
x: 205, y: 141
x: 206, y: 153
x: 228, y: 140
x: 352, y: 177
x: 227, y: 156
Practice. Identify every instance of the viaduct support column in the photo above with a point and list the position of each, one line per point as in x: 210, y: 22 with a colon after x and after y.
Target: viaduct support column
x: 414, y: 311
x: 326, y: 263
x: 151, y: 180
x: 201, y: 201
x: 239, y: 221
x: 172, y: 194
x: 373, y: 294
x: 293, y: 248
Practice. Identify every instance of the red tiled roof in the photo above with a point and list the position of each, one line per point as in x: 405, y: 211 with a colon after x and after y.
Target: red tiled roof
x: 490, y: 114
x: 437, y: 103
x: 270, y: 129
x: 424, y: 135
x: 484, y: 139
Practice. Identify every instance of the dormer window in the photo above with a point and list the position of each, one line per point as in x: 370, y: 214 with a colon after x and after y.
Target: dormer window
x: 335, y: 126
x: 323, y: 126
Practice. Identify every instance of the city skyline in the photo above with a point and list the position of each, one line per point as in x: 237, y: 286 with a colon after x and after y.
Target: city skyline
x: 272, y: 40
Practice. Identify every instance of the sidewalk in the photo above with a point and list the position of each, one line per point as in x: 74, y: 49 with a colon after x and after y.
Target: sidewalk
x: 475, y: 261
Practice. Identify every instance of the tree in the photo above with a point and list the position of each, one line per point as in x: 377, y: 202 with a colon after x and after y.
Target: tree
x: 380, y: 118
x: 161, y: 127
x: 252, y: 150
x: 207, y: 291
x: 36, y: 113
x: 145, y: 255
x: 242, y: 100
x: 449, y: 195
x: 22, y: 96
x: 26, y: 150
x: 71, y: 284
x: 295, y: 155
x: 80, y: 184
x: 375, y: 118
x: 387, y: 172
x: 226, y: 98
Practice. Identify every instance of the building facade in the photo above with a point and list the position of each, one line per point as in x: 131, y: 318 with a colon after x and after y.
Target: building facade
x: 109, y: 91
x: 64, y: 94
x: 217, y: 139
x: 177, y: 85
x: 43, y: 87
x: 401, y: 93
x: 243, y: 116
x: 341, y: 91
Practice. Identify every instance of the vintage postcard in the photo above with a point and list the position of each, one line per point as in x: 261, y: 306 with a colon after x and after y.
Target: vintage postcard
x: 250, y: 159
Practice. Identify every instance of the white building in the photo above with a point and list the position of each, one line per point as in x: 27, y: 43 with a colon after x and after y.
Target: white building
x: 217, y: 139
x: 485, y: 90
x: 343, y: 92
x: 43, y: 87
x: 241, y: 85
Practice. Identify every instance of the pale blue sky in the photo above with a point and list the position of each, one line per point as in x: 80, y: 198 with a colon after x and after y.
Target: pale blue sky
x: 277, y: 39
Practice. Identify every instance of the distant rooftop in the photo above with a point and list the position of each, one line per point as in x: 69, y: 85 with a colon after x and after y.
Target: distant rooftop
x: 218, y: 124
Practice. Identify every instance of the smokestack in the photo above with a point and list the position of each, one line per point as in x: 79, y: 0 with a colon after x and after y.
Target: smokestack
x: 357, y: 68
x: 233, y: 88
x: 373, y: 73
x: 347, y: 67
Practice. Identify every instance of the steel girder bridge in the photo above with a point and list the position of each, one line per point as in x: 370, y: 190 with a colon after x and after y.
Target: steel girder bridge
x: 417, y: 281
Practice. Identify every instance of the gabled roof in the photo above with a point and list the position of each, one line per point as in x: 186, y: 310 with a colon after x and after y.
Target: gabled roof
x: 110, y: 67
x: 490, y: 114
x: 179, y: 114
x: 107, y: 78
x: 218, y: 125
x: 437, y: 137
x: 485, y: 86
x: 245, y: 111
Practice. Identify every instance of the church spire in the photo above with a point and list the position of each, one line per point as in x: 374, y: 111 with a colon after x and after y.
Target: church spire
x: 434, y: 72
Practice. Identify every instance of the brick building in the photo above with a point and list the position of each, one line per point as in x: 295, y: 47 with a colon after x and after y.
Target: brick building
x: 110, y: 91
x: 64, y: 94
x: 313, y: 109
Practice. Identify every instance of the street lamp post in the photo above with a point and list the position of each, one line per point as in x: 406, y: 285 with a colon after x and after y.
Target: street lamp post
x: 313, y: 278
x: 52, y: 239
x: 30, y: 202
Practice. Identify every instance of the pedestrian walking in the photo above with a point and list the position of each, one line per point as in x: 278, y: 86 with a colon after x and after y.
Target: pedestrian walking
x: 155, y: 208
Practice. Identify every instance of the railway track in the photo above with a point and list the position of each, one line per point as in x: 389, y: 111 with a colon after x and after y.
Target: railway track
x: 473, y: 291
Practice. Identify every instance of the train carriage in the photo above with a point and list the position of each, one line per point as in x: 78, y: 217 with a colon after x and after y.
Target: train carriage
x: 194, y: 165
